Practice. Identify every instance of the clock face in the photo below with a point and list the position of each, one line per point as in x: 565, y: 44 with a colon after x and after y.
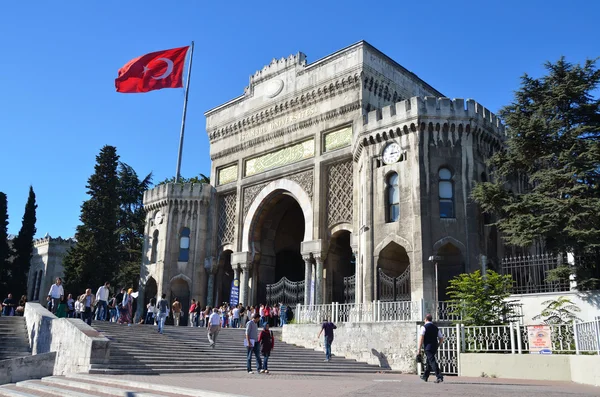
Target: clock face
x: 158, y: 218
x: 391, y: 153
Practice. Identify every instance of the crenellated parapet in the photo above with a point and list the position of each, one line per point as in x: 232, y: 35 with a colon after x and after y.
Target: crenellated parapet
x: 46, y: 240
x: 454, y: 117
x: 163, y: 195
x: 277, y: 66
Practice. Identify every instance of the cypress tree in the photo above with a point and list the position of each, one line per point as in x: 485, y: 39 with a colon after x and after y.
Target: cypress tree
x: 552, y: 160
x: 5, y: 251
x: 23, y: 247
x: 131, y: 224
x: 96, y: 257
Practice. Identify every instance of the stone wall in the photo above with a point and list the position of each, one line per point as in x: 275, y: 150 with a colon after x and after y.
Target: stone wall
x: 29, y: 367
x: 556, y: 367
x: 78, y: 346
x: 389, y: 345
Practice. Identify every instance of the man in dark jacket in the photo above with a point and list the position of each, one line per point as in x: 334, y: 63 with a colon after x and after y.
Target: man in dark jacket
x: 431, y: 338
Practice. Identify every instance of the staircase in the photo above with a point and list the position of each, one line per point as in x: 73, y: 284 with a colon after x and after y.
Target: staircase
x: 140, y: 349
x: 14, y: 341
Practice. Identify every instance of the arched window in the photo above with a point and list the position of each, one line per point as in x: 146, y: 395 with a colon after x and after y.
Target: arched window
x: 393, y: 198
x: 446, y: 193
x: 154, y: 247
x: 184, y: 245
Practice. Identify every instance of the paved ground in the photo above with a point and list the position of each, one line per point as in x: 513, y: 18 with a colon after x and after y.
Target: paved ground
x: 351, y: 385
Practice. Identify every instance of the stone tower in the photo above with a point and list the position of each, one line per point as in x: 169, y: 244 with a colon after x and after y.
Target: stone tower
x: 177, y: 240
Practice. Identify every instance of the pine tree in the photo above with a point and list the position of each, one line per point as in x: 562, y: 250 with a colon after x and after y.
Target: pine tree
x: 200, y: 178
x: 131, y: 224
x: 5, y: 251
x: 23, y: 247
x: 96, y: 257
x: 552, y: 166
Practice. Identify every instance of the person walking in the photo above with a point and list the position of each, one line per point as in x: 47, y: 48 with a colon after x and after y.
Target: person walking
x: 328, y: 328
x: 125, y: 309
x: 214, y: 326
x: 430, y: 339
x: 235, y: 314
x: 282, y: 314
x: 163, y: 312
x: 87, y: 300
x: 70, y: 306
x: 102, y: 298
x: 151, y: 312
x: 267, y: 342
x: 176, y: 312
x: 192, y: 314
x: 252, y: 343
x: 56, y: 294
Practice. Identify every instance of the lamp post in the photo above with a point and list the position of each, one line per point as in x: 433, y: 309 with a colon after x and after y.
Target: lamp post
x: 435, y: 259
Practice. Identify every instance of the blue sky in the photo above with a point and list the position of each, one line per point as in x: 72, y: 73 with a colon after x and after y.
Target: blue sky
x: 59, y: 59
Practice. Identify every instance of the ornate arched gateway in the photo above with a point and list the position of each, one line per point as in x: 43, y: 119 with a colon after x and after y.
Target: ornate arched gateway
x: 335, y: 181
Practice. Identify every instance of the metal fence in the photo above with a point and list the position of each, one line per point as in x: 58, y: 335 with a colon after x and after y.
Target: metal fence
x: 375, y: 311
x: 530, y: 273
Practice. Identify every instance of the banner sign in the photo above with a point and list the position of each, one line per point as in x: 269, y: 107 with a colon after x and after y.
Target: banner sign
x: 234, y: 295
x: 540, y: 339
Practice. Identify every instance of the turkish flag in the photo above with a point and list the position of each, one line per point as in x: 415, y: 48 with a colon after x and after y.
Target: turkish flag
x: 154, y: 71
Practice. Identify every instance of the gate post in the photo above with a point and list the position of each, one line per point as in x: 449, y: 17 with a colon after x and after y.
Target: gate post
x: 458, y: 349
x: 512, y: 338
x: 418, y: 337
x: 519, y: 341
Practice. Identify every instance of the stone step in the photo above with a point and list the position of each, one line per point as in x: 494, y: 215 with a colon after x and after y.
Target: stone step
x: 140, y: 350
x: 14, y: 391
x: 165, y: 390
x: 60, y: 391
x: 97, y: 388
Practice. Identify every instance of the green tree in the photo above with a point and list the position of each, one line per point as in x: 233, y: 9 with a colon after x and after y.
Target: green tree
x: 481, y: 300
x: 558, y: 311
x: 23, y: 247
x: 201, y: 178
x: 5, y: 251
x: 96, y: 257
x: 131, y: 224
x: 547, y: 182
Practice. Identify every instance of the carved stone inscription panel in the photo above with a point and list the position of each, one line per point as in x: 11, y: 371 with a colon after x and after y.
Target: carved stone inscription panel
x: 281, y: 157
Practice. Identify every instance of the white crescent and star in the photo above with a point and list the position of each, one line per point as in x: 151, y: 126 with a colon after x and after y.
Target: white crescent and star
x: 166, y: 73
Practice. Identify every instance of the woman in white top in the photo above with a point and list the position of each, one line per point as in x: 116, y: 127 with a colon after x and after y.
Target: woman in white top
x: 151, y: 312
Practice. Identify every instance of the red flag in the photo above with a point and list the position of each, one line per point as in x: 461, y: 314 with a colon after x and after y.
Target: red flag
x: 154, y: 71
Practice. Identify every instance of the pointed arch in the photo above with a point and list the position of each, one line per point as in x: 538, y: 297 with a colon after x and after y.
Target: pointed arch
x: 392, y: 237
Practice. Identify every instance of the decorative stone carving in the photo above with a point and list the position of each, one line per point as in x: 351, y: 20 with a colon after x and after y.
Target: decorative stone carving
x: 339, y: 193
x: 227, y: 210
x: 305, y: 180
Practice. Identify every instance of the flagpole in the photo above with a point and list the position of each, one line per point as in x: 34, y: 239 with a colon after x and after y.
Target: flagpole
x: 185, y: 101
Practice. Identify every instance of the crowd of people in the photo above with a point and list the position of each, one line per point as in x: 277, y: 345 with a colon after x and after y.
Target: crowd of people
x: 120, y: 308
x: 102, y: 306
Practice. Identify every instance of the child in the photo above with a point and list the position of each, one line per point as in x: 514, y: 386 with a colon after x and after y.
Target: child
x: 267, y: 342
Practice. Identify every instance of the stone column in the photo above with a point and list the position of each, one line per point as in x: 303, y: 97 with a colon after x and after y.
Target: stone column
x: 307, y: 279
x: 319, y: 280
x: 246, y: 269
x: 236, y: 272
x: 210, y: 265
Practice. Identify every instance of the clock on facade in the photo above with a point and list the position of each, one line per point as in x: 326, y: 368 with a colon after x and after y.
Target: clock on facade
x: 391, y: 153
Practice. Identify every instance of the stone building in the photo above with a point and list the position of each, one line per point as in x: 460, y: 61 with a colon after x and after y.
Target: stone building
x: 345, y: 179
x: 46, y: 265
